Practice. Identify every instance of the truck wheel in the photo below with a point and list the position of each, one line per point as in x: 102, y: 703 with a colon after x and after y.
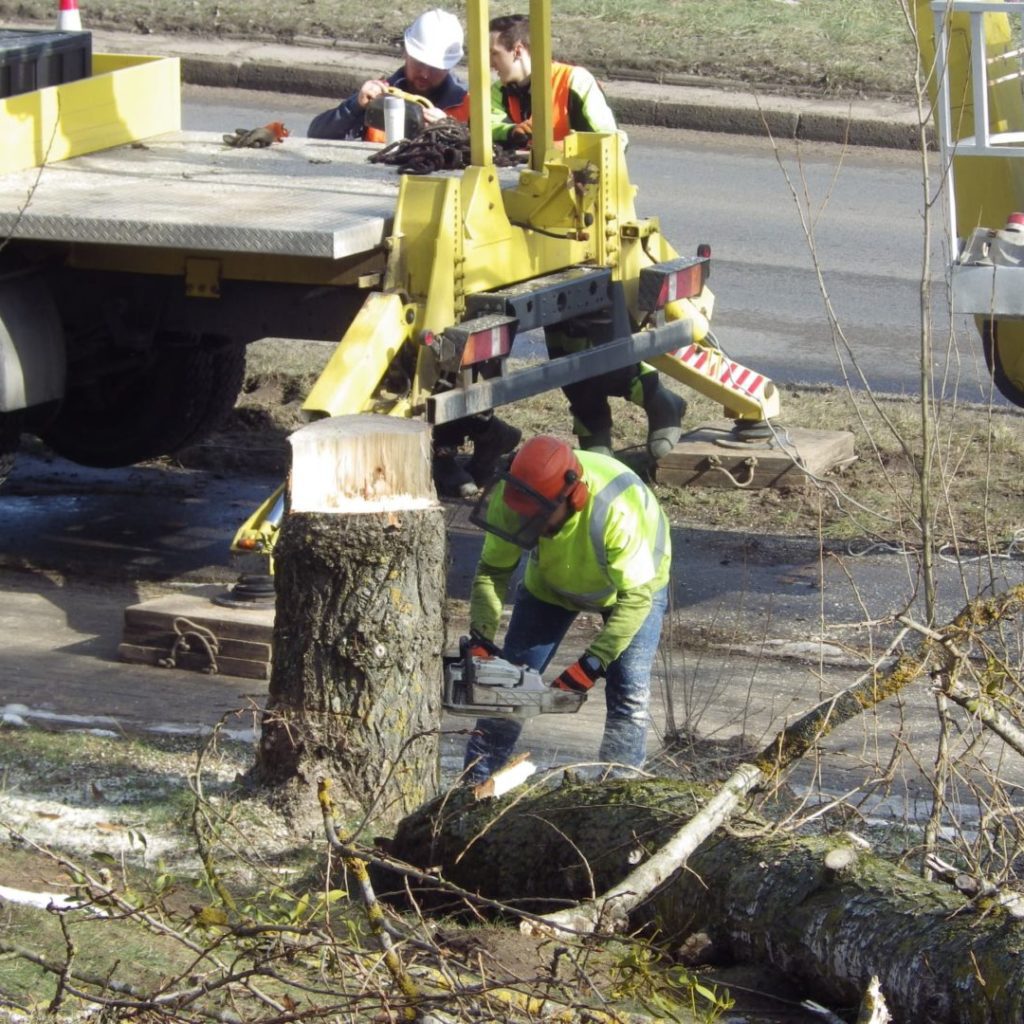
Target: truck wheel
x: 144, y: 412
x: 10, y: 441
x: 1003, y: 342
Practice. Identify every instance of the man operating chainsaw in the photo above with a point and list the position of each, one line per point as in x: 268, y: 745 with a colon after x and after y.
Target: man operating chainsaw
x: 433, y: 46
x: 598, y: 542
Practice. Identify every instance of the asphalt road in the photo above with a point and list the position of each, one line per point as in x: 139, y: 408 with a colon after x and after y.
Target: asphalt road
x: 757, y: 204
x: 762, y: 627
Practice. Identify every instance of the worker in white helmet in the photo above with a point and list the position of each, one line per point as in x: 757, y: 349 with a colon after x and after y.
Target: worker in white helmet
x: 433, y: 46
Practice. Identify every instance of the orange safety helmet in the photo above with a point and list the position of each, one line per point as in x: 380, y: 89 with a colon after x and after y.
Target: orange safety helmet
x: 544, y: 472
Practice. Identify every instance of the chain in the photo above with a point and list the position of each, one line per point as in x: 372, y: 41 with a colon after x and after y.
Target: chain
x: 443, y: 146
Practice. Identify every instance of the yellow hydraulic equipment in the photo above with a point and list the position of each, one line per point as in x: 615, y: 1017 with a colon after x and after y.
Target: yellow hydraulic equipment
x: 472, y: 260
x: 971, y: 55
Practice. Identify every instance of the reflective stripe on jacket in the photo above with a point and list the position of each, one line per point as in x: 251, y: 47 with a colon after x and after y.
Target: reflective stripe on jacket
x: 618, y: 541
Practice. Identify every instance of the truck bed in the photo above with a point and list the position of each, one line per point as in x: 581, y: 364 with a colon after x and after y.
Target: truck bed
x: 188, y: 190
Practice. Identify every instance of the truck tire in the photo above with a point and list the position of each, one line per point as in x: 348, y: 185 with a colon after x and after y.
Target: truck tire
x: 10, y: 441
x: 1003, y: 342
x: 144, y: 412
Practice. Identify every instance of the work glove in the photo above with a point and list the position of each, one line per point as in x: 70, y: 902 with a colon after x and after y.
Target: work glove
x: 521, y: 137
x: 581, y: 675
x: 257, y: 138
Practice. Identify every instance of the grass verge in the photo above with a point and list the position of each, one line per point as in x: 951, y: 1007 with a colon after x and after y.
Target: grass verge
x: 817, y: 46
x: 281, y: 936
x: 977, y: 456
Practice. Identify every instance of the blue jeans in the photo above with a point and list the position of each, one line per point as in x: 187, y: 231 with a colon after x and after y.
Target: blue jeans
x: 534, y: 633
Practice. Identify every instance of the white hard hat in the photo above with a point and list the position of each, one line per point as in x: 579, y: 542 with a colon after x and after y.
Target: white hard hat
x: 435, y: 39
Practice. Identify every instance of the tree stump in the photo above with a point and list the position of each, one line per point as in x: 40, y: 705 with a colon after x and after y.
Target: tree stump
x: 355, y: 687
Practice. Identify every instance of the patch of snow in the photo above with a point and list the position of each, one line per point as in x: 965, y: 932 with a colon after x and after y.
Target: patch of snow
x: 46, y: 900
x: 18, y: 715
x: 63, y: 827
x: 183, y: 729
x: 88, y: 721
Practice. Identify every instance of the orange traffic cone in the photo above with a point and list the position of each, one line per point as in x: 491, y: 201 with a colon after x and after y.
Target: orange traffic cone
x: 68, y: 18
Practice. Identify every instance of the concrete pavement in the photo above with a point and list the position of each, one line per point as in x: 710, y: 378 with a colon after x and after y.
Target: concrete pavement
x: 317, y: 68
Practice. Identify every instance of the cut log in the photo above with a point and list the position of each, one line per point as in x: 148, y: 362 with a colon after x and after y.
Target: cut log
x: 767, y: 899
x: 355, y: 688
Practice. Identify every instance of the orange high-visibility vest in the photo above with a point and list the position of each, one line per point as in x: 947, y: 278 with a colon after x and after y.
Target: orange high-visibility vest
x: 560, y: 74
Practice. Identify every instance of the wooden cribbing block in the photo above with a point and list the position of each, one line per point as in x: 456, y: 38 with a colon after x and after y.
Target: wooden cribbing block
x: 138, y: 654
x: 710, y: 457
x: 248, y: 650
x: 243, y: 636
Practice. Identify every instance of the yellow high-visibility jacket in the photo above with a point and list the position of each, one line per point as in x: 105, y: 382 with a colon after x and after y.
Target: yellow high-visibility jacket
x: 610, y: 557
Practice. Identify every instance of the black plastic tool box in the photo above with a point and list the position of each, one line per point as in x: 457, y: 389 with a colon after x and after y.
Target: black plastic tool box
x: 31, y: 59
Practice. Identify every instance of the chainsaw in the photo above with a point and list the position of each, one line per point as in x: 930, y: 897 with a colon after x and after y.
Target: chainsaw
x: 491, y: 687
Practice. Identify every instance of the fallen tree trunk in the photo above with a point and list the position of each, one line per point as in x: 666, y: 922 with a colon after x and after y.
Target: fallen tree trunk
x: 767, y: 899
x: 948, y: 649
x: 355, y: 689
x: 611, y: 909
x: 776, y: 900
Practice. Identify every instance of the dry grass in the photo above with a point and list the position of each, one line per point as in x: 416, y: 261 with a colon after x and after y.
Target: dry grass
x: 979, y: 454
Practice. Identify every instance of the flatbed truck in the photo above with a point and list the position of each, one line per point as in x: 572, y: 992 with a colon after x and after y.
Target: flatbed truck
x: 132, y: 276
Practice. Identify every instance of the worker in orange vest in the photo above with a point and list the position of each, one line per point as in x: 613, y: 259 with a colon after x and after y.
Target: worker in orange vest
x: 433, y: 46
x: 579, y: 104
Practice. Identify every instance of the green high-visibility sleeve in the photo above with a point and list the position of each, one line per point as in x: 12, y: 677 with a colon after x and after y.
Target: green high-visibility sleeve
x: 628, y: 613
x: 487, y: 597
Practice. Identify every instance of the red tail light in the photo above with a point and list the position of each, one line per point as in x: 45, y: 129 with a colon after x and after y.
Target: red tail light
x: 681, y: 278
x: 487, y: 343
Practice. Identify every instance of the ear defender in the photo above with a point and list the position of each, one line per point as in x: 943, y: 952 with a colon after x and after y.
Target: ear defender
x: 576, y: 492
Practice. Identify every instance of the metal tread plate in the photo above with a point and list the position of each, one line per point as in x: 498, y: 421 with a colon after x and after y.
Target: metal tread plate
x: 187, y: 190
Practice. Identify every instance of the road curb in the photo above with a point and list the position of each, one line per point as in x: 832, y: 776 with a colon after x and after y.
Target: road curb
x: 336, y: 69
x: 740, y: 116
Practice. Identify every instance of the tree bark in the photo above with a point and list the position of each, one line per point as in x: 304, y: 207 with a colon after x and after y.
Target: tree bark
x: 355, y: 687
x: 768, y: 899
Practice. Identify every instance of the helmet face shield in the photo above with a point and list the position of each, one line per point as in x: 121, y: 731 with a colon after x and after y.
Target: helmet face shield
x: 529, y: 512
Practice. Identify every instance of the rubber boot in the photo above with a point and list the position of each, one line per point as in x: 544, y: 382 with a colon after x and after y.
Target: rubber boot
x: 665, y: 411
x: 450, y: 479
x: 495, y: 441
x: 598, y: 441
